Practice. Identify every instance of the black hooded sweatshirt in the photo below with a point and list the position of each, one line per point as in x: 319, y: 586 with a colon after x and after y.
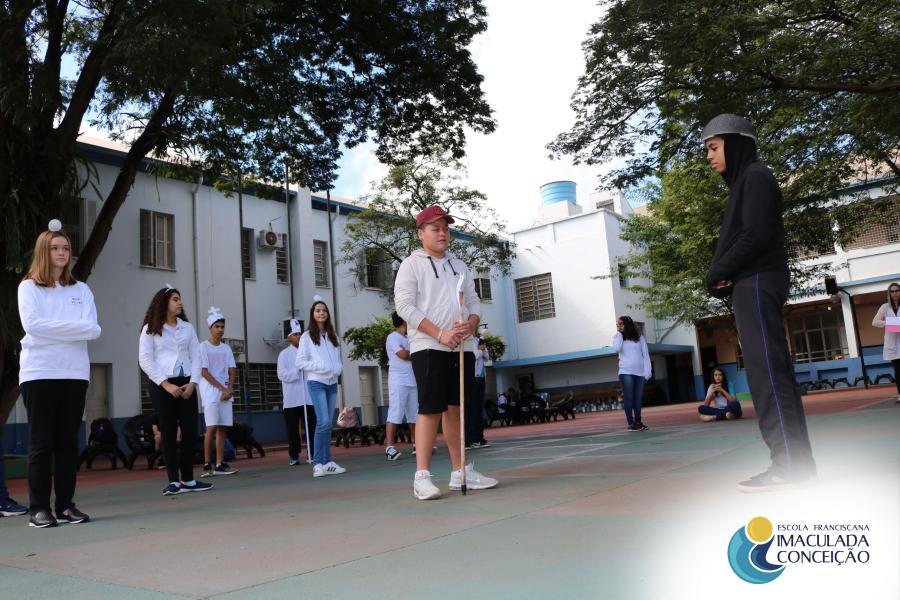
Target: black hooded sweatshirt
x: 751, y: 238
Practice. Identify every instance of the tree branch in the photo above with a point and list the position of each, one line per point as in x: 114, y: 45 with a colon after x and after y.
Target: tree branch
x: 782, y: 83
x: 139, y: 149
x: 90, y: 76
x: 46, y: 83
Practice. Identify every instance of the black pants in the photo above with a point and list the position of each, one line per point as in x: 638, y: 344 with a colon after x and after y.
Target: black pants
x: 475, y: 413
x: 55, y: 408
x: 173, y: 413
x: 293, y: 420
x: 758, y: 302
x: 896, y: 364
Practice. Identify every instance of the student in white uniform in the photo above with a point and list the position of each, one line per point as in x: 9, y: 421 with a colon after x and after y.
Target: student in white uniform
x: 319, y: 357
x: 634, y: 369
x: 216, y: 392
x: 891, y: 350
x: 169, y: 353
x: 402, y: 393
x: 59, y: 317
x: 297, y: 408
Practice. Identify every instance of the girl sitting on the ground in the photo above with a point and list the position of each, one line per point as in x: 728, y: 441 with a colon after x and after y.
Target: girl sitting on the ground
x: 719, y: 403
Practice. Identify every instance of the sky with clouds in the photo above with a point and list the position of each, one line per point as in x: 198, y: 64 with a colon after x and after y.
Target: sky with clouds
x: 530, y: 58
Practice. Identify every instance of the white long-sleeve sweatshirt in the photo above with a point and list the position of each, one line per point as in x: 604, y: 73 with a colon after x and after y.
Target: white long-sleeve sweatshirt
x: 319, y: 362
x: 634, y: 357
x: 425, y: 287
x: 293, y: 382
x: 158, y: 355
x: 58, y: 322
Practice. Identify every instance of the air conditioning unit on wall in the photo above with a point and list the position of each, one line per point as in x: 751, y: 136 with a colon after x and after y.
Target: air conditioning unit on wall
x: 269, y: 240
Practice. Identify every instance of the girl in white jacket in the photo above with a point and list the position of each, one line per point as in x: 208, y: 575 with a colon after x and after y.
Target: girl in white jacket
x: 319, y: 357
x: 169, y: 353
x: 59, y: 317
x: 891, y: 351
x: 634, y: 369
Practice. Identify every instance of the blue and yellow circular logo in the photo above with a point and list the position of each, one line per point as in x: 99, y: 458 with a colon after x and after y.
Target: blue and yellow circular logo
x: 747, y: 552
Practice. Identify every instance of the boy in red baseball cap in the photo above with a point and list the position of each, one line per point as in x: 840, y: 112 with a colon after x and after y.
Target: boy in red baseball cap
x: 425, y: 297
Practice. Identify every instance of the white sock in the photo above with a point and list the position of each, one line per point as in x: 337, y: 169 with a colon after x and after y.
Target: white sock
x: 425, y: 473
x: 175, y: 483
x: 190, y: 483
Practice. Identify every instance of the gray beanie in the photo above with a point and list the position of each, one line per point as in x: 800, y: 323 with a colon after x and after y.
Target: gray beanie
x: 728, y: 123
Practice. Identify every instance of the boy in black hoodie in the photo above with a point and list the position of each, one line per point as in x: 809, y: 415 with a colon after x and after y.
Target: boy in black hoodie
x: 750, y: 265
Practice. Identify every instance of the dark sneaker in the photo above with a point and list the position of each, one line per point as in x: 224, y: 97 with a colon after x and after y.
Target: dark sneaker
x: 11, y: 508
x: 41, y: 519
x: 295, y: 462
x: 633, y: 427
x: 640, y: 427
x: 474, y: 446
x: 161, y: 464
x: 199, y: 486
x: 207, y: 470
x: 223, y: 469
x: 484, y: 444
x: 173, y: 489
x: 72, y: 515
x: 392, y: 453
x: 770, y: 481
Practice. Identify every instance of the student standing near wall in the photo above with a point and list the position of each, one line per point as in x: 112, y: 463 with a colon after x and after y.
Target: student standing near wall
x: 216, y: 393
x: 891, y: 351
x: 169, y: 353
x: 634, y: 369
x: 59, y: 317
x: 750, y: 265
x: 296, y: 406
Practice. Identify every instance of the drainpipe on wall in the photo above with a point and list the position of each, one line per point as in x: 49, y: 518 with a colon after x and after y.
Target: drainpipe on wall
x: 334, y: 287
x: 196, y: 246
x: 290, y: 240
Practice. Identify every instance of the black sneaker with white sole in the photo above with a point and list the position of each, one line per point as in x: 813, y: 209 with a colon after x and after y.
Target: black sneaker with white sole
x: 770, y: 481
x: 223, y: 469
x: 41, y: 519
x: 199, y: 486
x: 72, y: 515
x: 392, y: 453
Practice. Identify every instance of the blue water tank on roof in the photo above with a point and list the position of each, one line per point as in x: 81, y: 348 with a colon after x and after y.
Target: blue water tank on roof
x: 558, y: 191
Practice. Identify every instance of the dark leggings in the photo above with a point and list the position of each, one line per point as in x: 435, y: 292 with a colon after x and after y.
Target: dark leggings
x: 55, y: 408
x: 173, y: 413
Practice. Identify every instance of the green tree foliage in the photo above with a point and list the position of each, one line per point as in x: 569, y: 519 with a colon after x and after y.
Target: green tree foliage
x: 368, y: 341
x: 385, y: 233
x: 819, y: 79
x: 226, y: 84
x: 496, y: 347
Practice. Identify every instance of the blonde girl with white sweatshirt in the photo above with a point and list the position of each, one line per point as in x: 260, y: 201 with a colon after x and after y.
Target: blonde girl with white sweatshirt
x: 59, y: 317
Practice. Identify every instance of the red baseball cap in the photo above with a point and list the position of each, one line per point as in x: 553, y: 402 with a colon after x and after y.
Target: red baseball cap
x: 431, y: 214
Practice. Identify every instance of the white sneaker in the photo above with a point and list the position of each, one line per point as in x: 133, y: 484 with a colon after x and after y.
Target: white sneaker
x: 423, y: 489
x: 332, y: 468
x: 329, y: 468
x: 707, y: 418
x: 474, y: 480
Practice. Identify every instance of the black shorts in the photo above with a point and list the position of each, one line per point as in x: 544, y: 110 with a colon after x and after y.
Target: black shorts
x: 437, y: 379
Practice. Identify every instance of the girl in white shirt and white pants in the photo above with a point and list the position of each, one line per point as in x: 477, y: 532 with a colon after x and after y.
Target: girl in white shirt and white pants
x: 59, y: 317
x: 169, y: 353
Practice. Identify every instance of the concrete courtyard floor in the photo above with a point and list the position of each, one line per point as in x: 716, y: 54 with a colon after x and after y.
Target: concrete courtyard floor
x: 584, y: 510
